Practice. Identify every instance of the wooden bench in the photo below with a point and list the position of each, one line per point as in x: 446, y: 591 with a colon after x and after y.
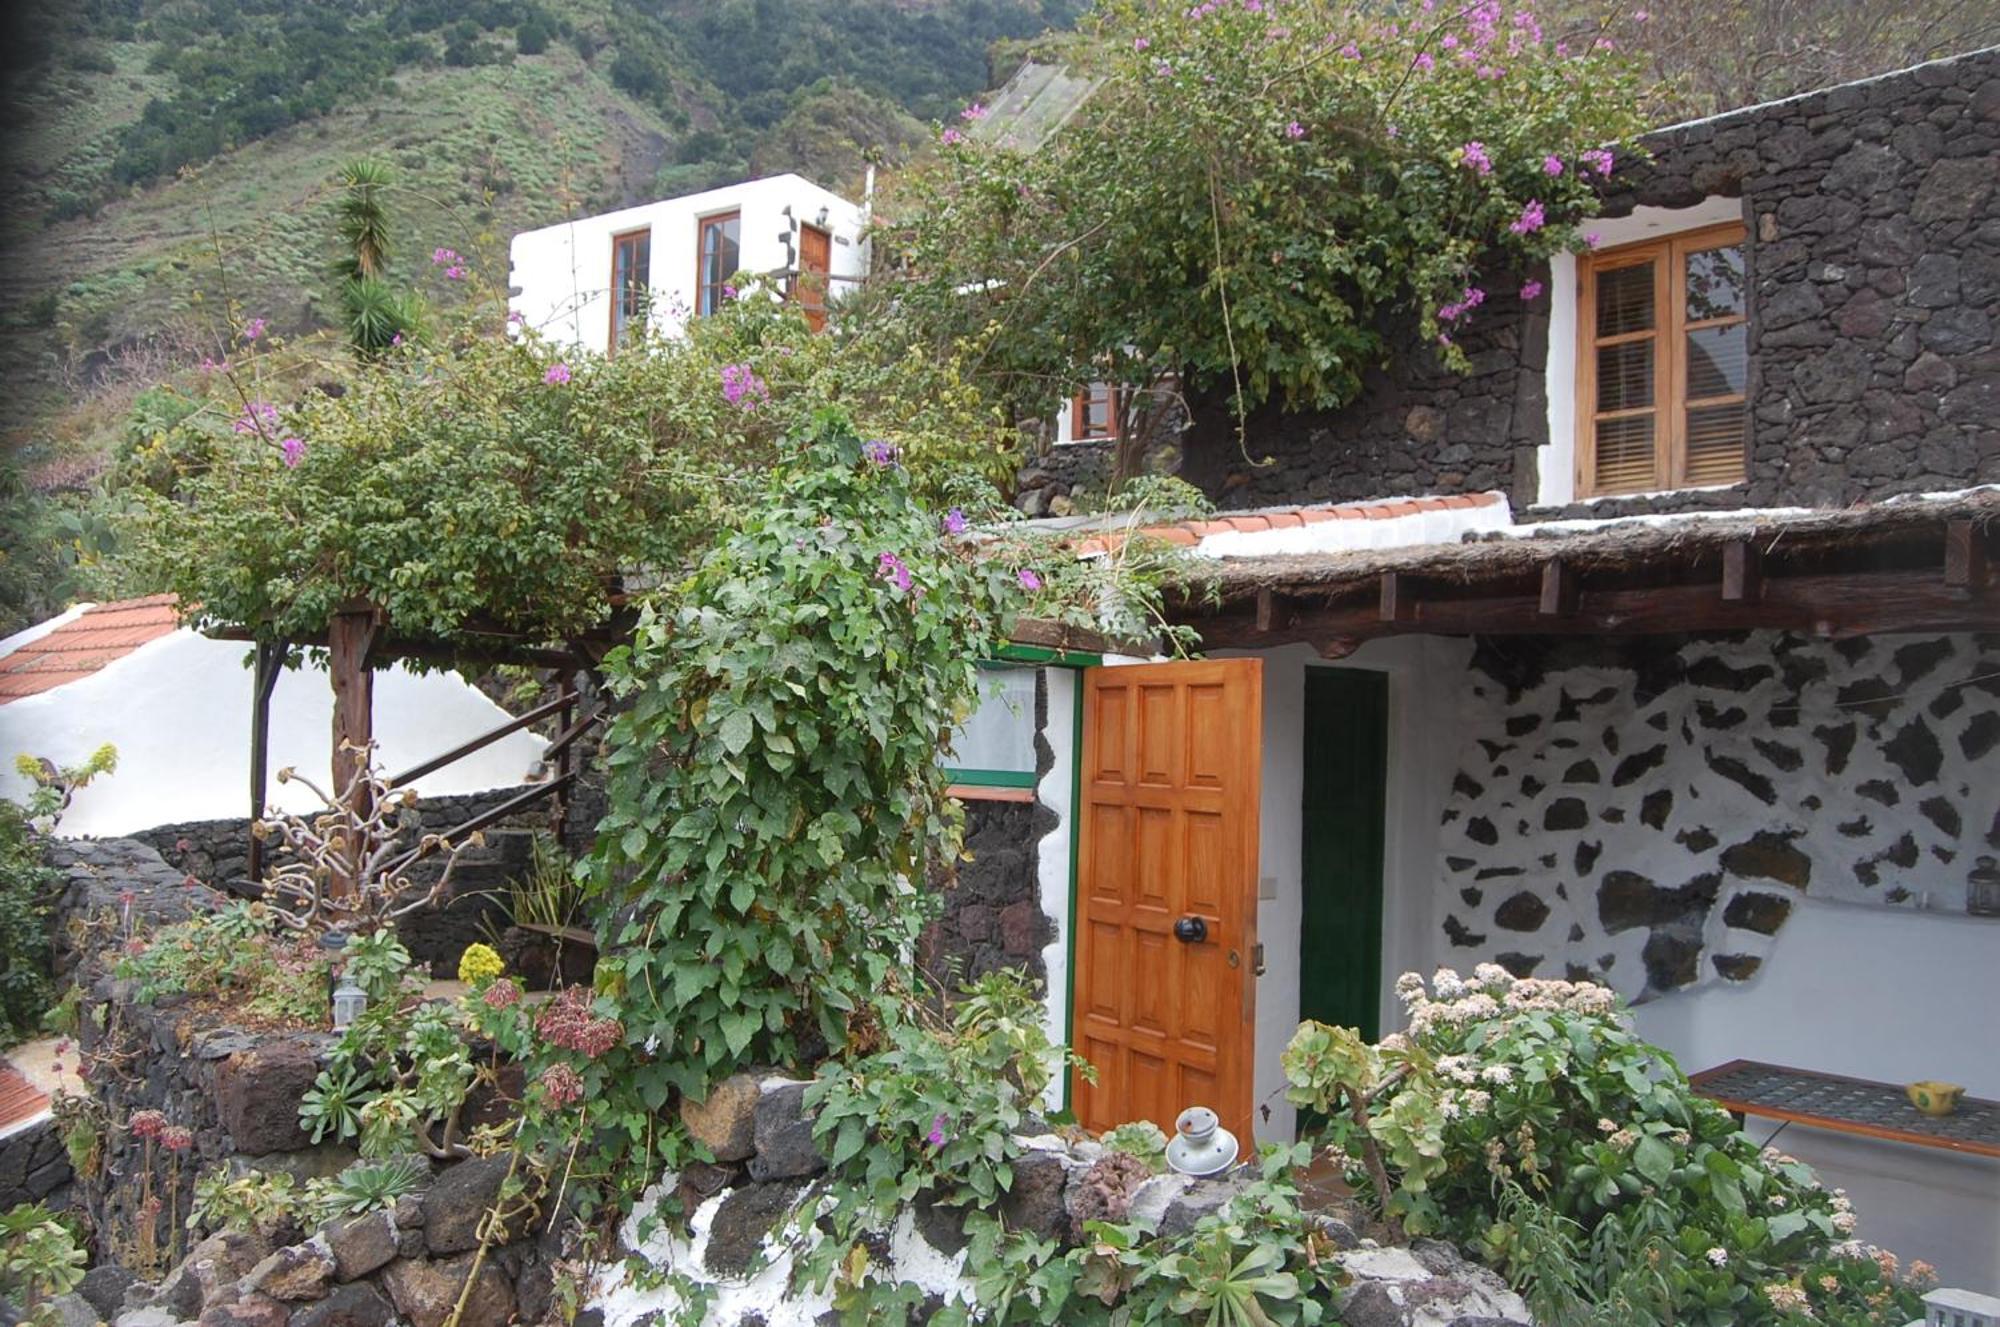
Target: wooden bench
x: 1849, y: 1105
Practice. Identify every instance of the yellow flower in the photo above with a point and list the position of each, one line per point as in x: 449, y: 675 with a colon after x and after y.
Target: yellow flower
x: 479, y: 965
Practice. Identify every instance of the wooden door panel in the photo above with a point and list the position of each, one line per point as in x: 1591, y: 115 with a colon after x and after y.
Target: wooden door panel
x: 1169, y: 826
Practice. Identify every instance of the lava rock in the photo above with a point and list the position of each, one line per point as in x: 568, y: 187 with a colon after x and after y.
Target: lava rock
x: 252, y: 1310
x: 725, y: 1122
x: 425, y: 1292
x: 361, y: 1245
x: 257, y: 1094
x: 785, y: 1146
x: 742, y: 1222
x: 302, y: 1271
x: 458, y: 1202
x: 1034, y: 1202
x: 357, y: 1305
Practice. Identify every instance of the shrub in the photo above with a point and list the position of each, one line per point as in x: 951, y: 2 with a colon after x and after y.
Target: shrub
x: 39, y: 1256
x: 232, y: 958
x: 1523, y: 1118
x: 27, y: 887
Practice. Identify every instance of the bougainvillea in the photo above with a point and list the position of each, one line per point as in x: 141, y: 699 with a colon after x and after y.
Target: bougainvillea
x: 1253, y: 187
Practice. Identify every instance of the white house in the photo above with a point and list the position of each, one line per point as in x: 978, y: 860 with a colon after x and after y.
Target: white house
x: 682, y: 257
x: 176, y: 704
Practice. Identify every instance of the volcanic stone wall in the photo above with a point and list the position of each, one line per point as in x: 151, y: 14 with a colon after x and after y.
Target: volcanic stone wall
x: 1874, y: 256
x: 1648, y: 812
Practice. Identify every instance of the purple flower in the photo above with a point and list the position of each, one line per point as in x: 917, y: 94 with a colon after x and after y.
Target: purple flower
x: 880, y: 452
x: 454, y: 273
x: 1424, y: 61
x: 441, y: 256
x: 557, y: 375
x: 937, y: 1136
x: 1590, y: 240
x: 1351, y: 51
x: 892, y: 569
x: 253, y: 329
x: 973, y: 112
x: 1295, y: 130
x: 1531, y: 290
x: 294, y: 450
x: 954, y: 521
x: 951, y: 136
x: 1598, y: 159
x: 1474, y: 155
x: 257, y: 417
x: 1470, y: 299
x: 1164, y: 69
x: 209, y: 365
x: 1141, y: 43
x: 728, y: 292
x: 514, y: 316
x: 1530, y: 220
x: 396, y: 341
x: 742, y: 387
x: 1552, y: 164
x: 1029, y: 580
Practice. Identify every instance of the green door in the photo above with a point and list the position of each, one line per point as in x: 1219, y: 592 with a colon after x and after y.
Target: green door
x: 1346, y: 763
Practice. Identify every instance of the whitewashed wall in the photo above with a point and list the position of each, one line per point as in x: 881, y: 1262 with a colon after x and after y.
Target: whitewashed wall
x: 178, y: 709
x: 562, y: 273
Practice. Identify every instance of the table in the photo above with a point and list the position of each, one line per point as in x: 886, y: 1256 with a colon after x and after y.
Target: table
x: 1849, y: 1105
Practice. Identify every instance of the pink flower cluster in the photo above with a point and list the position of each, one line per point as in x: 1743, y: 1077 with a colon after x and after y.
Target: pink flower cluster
x: 454, y: 266
x: 257, y: 417
x: 894, y: 570
x: 502, y: 995
x: 1463, y: 305
x: 950, y: 137
x: 1531, y: 219
x: 557, y: 376
x: 954, y: 521
x: 741, y: 387
x: 177, y: 1138
x: 146, y: 1123
x: 562, y: 1085
x: 569, y: 1022
x: 1474, y: 155
x: 293, y: 451
x: 878, y: 452
x: 254, y: 329
x: 1530, y: 290
x: 1598, y: 159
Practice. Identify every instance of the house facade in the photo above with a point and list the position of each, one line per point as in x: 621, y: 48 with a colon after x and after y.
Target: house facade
x: 596, y: 282
x: 1660, y: 650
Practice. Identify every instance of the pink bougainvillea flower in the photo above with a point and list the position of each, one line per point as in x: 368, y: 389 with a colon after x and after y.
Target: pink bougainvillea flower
x: 975, y: 111
x: 951, y: 136
x: 1424, y: 61
x: 892, y: 569
x: 1531, y: 290
x: 254, y: 329
x: 1029, y: 580
x: 1474, y: 155
x: 455, y: 272
x: 515, y: 317
x: 1295, y: 130
x: 1351, y: 51
x: 728, y: 292
x: 557, y: 375
x: 879, y: 452
x: 954, y: 521
x: 441, y: 256
x: 938, y: 1136
x: 1598, y: 159
x: 1141, y: 43
x: 1164, y: 69
x: 1552, y: 164
x: 741, y: 387
x: 1590, y: 240
x: 294, y: 450
x: 257, y: 416
x: 1531, y: 219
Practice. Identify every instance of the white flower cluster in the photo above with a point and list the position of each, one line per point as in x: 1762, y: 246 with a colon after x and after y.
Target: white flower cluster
x: 1452, y: 1001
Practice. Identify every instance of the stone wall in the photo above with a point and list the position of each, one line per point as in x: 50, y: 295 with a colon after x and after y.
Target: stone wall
x: 992, y: 911
x: 218, y: 852
x: 1874, y: 255
x: 1646, y: 812
x: 34, y: 1167
x: 734, y: 1252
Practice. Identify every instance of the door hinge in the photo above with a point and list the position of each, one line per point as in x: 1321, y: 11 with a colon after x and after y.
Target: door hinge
x: 1257, y: 959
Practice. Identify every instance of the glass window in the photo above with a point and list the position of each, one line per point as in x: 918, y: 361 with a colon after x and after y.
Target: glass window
x: 1093, y: 413
x: 720, y: 249
x: 995, y: 748
x: 1665, y: 375
x: 631, y: 283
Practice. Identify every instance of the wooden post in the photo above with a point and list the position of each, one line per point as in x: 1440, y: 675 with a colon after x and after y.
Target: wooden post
x: 270, y: 663
x: 349, y: 638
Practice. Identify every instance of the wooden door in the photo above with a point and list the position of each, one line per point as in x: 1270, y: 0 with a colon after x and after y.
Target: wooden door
x: 815, y: 265
x: 1168, y: 836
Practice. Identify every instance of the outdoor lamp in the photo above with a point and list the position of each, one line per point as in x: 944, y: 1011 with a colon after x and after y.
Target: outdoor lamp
x: 1201, y: 1146
x: 349, y: 1002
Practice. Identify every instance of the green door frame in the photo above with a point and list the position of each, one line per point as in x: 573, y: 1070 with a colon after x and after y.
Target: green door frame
x: 1342, y: 828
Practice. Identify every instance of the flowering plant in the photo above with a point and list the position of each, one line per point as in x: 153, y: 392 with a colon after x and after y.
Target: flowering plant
x: 1254, y: 187
x: 1524, y: 1118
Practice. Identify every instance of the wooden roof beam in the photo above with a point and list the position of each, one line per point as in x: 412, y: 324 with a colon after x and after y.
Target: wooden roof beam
x: 1965, y: 561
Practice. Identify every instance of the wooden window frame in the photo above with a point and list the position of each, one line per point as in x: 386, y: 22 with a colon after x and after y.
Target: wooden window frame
x: 618, y: 242
x: 702, y: 226
x: 1079, y: 414
x: 1669, y: 256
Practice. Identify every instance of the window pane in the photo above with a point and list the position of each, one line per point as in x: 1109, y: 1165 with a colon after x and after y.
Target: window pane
x: 1715, y: 283
x: 1625, y: 455
x: 1625, y: 299
x: 720, y: 255
x: 1715, y: 361
x: 1000, y: 735
x: 1715, y: 444
x: 1625, y: 376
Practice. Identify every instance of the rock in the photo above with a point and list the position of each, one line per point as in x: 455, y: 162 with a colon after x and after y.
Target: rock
x: 361, y: 1244
x: 104, y: 1286
x: 785, y: 1146
x: 1151, y: 1199
x: 1756, y: 911
x: 1023, y: 928
x: 1034, y: 1202
x: 210, y: 1272
x: 1523, y: 912
x: 726, y: 1122
x: 1769, y: 855
x: 1200, y: 1198
x: 409, y: 1211
x: 425, y: 1292
x: 150, y: 1316
x: 1408, y: 1288
x: 459, y: 1201
x: 745, y: 1217
x: 357, y: 1305
x: 257, y: 1096
x: 1566, y: 813
x: 941, y: 1227
x: 252, y: 1310
x: 71, y: 1310
x: 302, y: 1271
x: 1736, y: 967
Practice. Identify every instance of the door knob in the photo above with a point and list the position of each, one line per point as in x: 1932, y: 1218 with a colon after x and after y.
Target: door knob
x: 1191, y: 930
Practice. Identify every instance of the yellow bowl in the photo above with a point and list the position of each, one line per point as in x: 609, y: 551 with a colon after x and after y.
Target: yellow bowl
x: 1934, y: 1098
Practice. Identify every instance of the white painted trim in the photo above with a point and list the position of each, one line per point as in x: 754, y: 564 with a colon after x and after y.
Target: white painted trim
x: 1053, y: 855
x: 1555, y: 460
x: 1448, y: 525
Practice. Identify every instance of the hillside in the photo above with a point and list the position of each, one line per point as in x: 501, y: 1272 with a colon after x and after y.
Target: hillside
x: 168, y: 159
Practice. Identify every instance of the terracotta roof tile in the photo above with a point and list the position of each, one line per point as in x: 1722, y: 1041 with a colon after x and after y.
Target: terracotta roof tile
x: 96, y: 637
x: 19, y: 1099
x: 1189, y: 533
